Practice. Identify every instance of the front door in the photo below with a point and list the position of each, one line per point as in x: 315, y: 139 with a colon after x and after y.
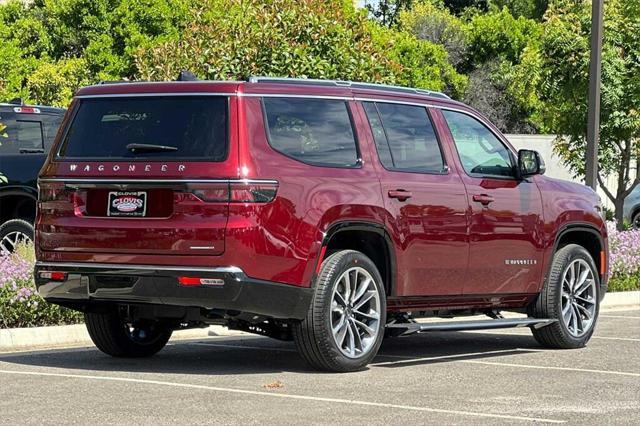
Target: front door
x: 505, y: 231
x: 426, y: 202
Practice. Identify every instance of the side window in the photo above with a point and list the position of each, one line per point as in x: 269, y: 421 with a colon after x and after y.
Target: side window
x: 481, y: 152
x: 405, y: 138
x: 314, y: 131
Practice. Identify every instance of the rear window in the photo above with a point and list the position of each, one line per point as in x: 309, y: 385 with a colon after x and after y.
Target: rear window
x: 314, y: 131
x: 20, y: 135
x: 188, y: 127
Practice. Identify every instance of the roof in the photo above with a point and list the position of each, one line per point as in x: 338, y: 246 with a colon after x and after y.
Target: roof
x: 264, y: 86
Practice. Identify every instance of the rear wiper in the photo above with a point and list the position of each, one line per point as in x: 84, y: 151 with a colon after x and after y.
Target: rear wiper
x: 147, y: 147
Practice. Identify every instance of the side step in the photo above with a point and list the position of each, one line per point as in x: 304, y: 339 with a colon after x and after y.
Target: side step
x: 404, y: 329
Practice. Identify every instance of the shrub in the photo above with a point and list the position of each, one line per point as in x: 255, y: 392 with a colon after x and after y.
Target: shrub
x: 624, y: 264
x: 20, y: 305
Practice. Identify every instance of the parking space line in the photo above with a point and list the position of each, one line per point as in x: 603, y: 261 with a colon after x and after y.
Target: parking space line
x: 512, y: 333
x: 283, y: 395
x: 410, y: 360
x: 618, y: 316
x: 546, y: 367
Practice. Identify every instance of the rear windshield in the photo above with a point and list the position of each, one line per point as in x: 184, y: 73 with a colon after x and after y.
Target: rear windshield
x: 23, y: 133
x: 169, y: 127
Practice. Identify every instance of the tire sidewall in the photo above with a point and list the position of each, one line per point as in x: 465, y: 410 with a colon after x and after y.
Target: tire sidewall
x: 349, y: 260
x: 576, y: 252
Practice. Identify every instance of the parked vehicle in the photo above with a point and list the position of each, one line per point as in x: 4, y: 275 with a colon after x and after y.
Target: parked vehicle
x: 26, y: 135
x: 327, y: 212
x: 632, y: 208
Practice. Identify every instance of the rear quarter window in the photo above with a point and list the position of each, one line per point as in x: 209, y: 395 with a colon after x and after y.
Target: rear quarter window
x: 195, y: 127
x: 314, y: 131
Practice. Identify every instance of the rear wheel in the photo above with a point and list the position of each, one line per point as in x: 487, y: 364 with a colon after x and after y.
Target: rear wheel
x: 345, y: 324
x: 14, y: 232
x: 635, y: 221
x: 117, y: 337
x: 571, y: 296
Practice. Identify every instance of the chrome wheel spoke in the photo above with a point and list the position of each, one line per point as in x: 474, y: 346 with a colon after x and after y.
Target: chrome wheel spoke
x: 340, y: 331
x: 368, y: 296
x: 586, y: 285
x: 364, y: 327
x: 361, y: 290
x: 584, y: 311
x: 356, y: 334
x: 373, y: 316
x: 351, y: 344
x: 588, y: 301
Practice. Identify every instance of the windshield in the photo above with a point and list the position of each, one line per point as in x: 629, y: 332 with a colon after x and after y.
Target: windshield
x: 189, y: 127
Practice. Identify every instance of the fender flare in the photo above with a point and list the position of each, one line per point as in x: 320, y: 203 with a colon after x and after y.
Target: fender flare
x: 367, y: 226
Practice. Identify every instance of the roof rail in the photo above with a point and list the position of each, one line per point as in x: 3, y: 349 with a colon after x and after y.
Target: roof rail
x: 351, y: 84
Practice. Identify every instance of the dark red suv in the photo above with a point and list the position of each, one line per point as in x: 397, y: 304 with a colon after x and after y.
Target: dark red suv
x: 331, y: 213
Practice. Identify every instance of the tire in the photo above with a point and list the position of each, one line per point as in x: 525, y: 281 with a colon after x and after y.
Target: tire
x: 114, y: 337
x: 14, y: 231
x: 314, y: 336
x: 635, y: 221
x: 566, y: 332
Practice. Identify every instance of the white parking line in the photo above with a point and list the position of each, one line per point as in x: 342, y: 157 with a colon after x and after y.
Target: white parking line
x: 546, y: 367
x: 618, y: 316
x: 284, y: 396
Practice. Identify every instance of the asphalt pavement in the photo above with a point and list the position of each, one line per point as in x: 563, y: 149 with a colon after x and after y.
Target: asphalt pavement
x: 486, y: 377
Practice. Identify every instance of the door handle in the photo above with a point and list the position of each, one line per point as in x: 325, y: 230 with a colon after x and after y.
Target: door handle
x: 400, y: 194
x: 484, y: 199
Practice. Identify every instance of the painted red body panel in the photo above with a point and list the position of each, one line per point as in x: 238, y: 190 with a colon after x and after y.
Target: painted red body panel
x: 445, y: 244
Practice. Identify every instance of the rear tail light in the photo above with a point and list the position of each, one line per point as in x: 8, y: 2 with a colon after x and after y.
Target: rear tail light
x: 236, y: 192
x: 197, y: 281
x: 53, y: 275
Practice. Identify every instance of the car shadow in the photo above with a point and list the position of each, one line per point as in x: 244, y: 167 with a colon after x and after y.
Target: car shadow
x: 258, y: 355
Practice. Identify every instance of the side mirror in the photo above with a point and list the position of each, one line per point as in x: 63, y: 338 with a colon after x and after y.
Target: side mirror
x: 530, y: 163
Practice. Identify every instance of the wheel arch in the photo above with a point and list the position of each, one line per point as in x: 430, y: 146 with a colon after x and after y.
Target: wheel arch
x: 365, y: 237
x: 587, y: 236
x: 18, y: 203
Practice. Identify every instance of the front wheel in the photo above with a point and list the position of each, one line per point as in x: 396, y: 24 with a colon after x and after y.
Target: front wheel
x: 344, y: 327
x: 119, y: 338
x: 571, y: 296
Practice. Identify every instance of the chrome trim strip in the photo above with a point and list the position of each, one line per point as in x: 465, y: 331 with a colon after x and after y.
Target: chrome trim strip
x: 91, y: 265
x: 157, y: 94
x: 125, y: 180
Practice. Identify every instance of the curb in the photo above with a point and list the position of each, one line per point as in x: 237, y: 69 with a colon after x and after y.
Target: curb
x: 621, y: 299
x: 20, y: 339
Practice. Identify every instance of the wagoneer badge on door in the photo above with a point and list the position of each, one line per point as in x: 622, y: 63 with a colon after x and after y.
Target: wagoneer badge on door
x: 127, y: 203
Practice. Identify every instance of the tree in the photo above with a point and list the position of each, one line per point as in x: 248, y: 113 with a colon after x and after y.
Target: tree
x: 565, y: 53
x: 316, y: 39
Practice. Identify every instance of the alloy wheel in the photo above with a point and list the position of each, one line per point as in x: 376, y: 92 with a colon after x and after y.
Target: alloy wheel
x: 578, y: 298
x: 355, y: 312
x: 10, y: 241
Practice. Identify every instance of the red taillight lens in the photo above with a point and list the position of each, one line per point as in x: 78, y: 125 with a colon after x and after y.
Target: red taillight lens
x: 53, y: 275
x: 194, y: 281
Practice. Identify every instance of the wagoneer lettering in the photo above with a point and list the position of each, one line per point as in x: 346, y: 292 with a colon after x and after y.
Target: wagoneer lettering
x: 330, y: 213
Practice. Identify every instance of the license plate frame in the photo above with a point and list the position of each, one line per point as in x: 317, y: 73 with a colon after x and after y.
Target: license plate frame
x: 127, y: 203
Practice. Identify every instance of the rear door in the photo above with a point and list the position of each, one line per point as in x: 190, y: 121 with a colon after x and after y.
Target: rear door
x: 426, y: 201
x: 506, y: 238
x: 141, y: 175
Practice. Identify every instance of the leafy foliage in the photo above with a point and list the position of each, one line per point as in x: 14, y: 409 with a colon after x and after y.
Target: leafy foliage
x: 565, y: 64
x: 20, y: 305
x: 232, y: 40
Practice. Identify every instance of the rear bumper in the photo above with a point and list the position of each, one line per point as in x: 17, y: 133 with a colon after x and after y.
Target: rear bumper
x: 150, y: 284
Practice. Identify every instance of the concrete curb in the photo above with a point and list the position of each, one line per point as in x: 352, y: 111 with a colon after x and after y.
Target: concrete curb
x: 20, y: 339
x: 621, y: 299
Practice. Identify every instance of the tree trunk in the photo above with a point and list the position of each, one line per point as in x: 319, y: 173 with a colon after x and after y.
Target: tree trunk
x: 619, y: 213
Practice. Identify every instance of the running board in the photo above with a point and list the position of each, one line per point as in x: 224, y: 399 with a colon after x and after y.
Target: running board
x: 405, y: 329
